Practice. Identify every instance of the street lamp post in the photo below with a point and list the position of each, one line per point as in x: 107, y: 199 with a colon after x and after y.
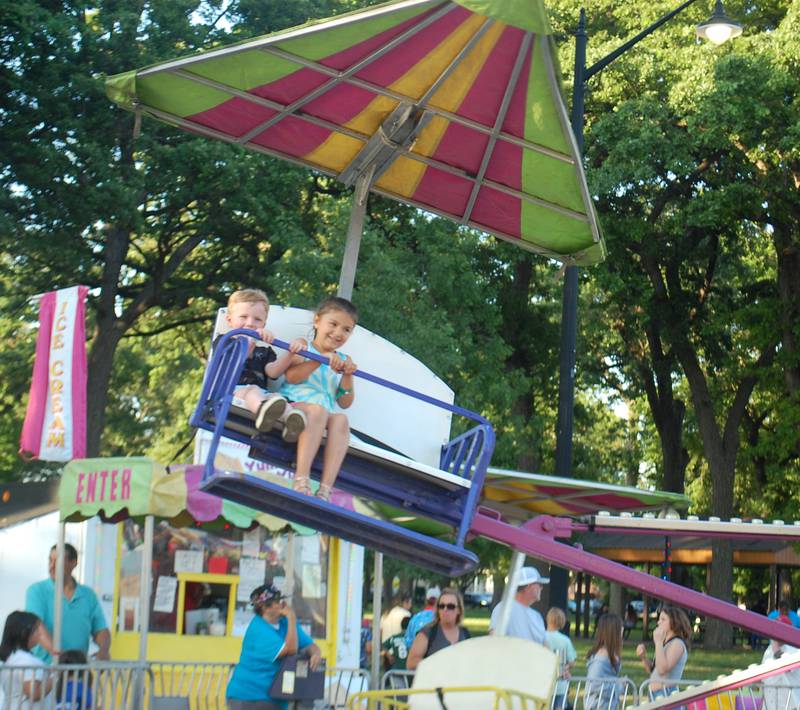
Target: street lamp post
x: 717, y: 29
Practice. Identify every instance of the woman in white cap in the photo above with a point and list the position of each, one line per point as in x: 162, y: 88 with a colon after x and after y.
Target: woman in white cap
x: 272, y: 634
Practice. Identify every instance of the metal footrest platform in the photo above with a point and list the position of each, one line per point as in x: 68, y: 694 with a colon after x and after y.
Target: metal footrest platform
x: 393, y: 540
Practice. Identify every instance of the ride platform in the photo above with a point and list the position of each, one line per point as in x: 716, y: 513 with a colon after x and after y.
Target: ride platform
x: 447, y: 494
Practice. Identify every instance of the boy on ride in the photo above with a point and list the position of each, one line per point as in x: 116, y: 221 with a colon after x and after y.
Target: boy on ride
x: 249, y: 308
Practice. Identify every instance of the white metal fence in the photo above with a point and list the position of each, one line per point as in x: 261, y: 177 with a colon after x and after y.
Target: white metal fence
x: 152, y: 686
x: 576, y: 693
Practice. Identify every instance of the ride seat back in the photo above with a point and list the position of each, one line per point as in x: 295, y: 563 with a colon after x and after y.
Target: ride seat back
x: 504, y: 662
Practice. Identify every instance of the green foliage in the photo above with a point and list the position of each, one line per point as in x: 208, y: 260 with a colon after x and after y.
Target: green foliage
x: 692, y: 324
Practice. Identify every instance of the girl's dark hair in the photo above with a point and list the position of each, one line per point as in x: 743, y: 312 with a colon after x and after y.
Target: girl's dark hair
x: 17, y: 633
x: 608, y: 635
x: 337, y: 303
x: 679, y: 623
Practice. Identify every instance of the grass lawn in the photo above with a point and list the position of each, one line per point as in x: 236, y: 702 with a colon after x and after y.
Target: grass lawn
x: 702, y: 664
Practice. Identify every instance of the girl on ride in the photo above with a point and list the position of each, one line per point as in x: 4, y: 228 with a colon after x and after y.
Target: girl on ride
x: 314, y: 389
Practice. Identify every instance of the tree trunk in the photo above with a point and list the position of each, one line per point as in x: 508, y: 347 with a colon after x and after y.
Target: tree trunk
x: 719, y: 634
x: 668, y: 412
x: 720, y: 447
x: 788, y: 256
x: 514, y: 306
x: 100, y: 364
x: 673, y: 452
x: 499, y: 580
x: 108, y: 332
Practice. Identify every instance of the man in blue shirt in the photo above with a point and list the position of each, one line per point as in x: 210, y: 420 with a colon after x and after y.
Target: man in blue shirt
x: 82, y: 617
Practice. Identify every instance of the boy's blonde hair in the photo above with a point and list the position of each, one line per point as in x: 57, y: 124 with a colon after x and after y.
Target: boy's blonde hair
x: 248, y: 295
x: 556, y: 617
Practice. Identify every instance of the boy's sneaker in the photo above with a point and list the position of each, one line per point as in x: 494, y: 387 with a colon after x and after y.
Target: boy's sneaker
x: 294, y: 421
x: 269, y: 411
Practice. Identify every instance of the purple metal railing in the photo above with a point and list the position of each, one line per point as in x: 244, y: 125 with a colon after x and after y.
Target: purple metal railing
x: 468, y: 455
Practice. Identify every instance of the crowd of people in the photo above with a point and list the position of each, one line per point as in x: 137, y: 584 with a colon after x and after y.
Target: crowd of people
x: 406, y: 639
x: 409, y: 638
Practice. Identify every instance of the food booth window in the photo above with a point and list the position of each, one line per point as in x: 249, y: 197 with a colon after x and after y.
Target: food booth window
x: 201, y: 579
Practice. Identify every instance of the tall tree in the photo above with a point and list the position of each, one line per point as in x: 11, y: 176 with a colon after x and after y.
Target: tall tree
x: 147, y: 223
x: 685, y: 213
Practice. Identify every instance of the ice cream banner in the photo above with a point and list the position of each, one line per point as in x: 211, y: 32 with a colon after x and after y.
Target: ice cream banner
x: 55, y: 421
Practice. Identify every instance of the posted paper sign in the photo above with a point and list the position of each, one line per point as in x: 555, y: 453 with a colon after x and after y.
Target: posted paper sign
x: 165, y: 594
x: 251, y: 543
x: 251, y: 575
x: 189, y: 561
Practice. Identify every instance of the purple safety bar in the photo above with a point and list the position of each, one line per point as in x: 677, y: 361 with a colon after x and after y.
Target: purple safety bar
x: 468, y: 455
x: 478, y: 442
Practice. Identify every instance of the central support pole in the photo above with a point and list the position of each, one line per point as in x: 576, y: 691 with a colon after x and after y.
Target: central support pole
x: 559, y: 578
x: 517, y: 560
x: 347, y: 276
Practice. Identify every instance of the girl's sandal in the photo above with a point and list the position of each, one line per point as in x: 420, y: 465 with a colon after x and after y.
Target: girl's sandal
x: 301, y: 485
x: 324, y: 492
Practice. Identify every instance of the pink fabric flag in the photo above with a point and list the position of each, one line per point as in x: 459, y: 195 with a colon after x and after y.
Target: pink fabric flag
x: 55, y: 421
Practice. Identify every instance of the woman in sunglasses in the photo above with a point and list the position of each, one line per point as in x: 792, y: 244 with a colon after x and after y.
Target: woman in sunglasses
x: 443, y: 631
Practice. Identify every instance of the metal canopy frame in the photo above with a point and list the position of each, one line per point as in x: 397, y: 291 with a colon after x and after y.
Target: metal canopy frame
x: 421, y: 113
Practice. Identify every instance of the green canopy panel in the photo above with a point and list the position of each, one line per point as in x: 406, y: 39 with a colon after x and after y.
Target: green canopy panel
x: 453, y: 107
x: 520, y: 496
x: 118, y: 488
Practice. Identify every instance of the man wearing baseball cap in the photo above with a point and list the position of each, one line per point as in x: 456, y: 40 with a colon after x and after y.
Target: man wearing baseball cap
x: 421, y: 618
x: 523, y: 621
